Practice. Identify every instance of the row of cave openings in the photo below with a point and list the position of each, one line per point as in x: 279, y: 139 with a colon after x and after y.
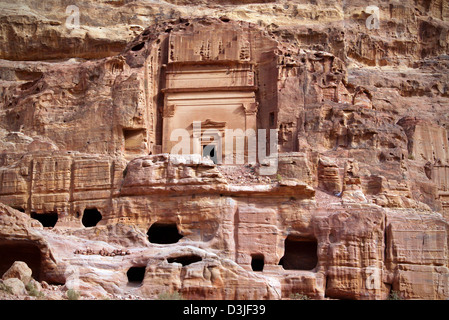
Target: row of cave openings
x: 91, y: 217
x: 136, y: 274
x: 299, y: 253
x: 161, y: 233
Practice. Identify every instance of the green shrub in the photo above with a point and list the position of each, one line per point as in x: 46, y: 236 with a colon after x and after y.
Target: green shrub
x: 394, y: 295
x: 299, y: 296
x: 170, y: 296
x: 32, y: 290
x: 72, y: 294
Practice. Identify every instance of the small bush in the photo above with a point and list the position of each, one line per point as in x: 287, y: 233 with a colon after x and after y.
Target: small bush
x: 170, y: 296
x: 394, y: 295
x: 32, y: 290
x: 299, y: 296
x: 72, y: 294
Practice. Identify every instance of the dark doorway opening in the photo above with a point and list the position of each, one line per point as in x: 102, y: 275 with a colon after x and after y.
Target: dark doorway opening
x: 136, y: 275
x: 185, y: 260
x: 91, y: 217
x: 48, y: 219
x: 272, y: 123
x: 257, y: 262
x: 138, y: 46
x: 28, y: 252
x: 300, y: 254
x: 209, y: 151
x: 163, y: 233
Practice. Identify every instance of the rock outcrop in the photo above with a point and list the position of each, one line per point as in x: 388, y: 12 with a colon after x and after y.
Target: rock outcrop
x: 354, y: 204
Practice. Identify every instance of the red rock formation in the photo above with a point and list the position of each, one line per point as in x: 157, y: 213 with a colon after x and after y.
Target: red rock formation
x: 356, y: 208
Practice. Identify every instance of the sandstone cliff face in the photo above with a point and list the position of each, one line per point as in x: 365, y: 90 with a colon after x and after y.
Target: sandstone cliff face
x: 358, y: 207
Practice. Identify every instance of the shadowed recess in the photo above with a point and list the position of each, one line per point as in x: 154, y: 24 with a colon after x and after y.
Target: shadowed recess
x: 185, y: 260
x: 300, y: 254
x: 163, y: 233
x: 136, y: 275
x: 138, y: 46
x: 26, y: 251
x: 257, y: 262
x: 48, y: 219
x: 91, y: 217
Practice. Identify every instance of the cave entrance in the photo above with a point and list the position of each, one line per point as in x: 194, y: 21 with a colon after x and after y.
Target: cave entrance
x: 257, y: 262
x: 185, y: 260
x: 26, y: 251
x: 136, y: 275
x: 48, y: 219
x: 91, y: 217
x: 163, y: 233
x: 300, y: 254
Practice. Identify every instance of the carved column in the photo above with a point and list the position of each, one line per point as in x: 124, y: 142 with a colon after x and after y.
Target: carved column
x: 167, y: 114
x: 251, y: 123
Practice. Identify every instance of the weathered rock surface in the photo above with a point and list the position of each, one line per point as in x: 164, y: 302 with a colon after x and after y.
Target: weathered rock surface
x: 357, y: 207
x: 16, y: 286
x: 18, y: 270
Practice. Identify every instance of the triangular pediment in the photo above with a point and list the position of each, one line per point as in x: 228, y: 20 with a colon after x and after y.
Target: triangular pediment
x: 208, y: 123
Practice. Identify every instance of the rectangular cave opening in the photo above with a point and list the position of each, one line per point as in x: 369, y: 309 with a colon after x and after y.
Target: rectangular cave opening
x: 257, y: 262
x: 136, y: 275
x: 47, y: 219
x: 134, y: 139
x: 299, y: 254
x: 163, y: 233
